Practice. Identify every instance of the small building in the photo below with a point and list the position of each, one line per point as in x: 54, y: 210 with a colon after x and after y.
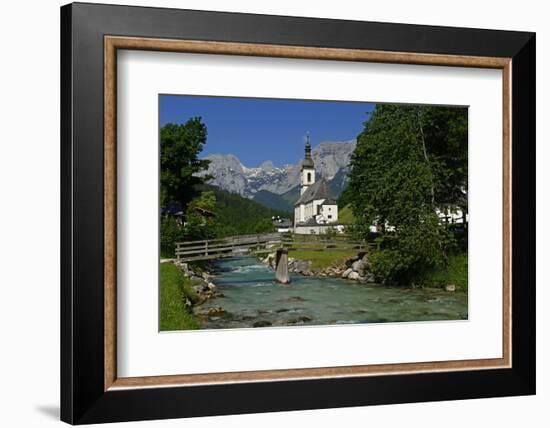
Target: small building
x: 175, y: 210
x: 316, y: 210
x: 282, y: 225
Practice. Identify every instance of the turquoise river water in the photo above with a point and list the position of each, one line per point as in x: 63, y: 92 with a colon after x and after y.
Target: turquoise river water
x: 253, y: 299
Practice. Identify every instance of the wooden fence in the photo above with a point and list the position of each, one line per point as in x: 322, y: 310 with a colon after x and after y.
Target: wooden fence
x: 228, y: 247
x: 340, y: 242
x: 265, y: 243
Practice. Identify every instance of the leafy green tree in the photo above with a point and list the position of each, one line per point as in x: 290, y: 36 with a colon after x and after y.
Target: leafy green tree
x: 444, y: 135
x: 200, y: 217
x: 200, y: 223
x: 170, y: 233
x: 410, y: 161
x: 180, y: 145
x: 263, y: 225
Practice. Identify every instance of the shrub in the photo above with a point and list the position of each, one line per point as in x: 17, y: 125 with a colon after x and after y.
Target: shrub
x: 170, y: 233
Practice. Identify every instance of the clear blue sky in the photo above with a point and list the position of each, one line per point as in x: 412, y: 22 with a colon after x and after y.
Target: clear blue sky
x: 256, y: 129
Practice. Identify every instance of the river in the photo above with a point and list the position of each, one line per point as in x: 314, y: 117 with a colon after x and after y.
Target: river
x: 251, y: 298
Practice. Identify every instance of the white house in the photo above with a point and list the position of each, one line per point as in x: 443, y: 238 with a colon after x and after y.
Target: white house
x: 282, y: 225
x: 316, y: 211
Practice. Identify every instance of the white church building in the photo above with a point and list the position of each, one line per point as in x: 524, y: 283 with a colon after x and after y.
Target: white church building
x: 316, y: 210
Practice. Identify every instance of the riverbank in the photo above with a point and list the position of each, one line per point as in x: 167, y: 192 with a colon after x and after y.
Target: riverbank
x: 354, y: 266
x: 176, y: 296
x: 456, y: 274
x: 183, y: 289
x: 327, y: 264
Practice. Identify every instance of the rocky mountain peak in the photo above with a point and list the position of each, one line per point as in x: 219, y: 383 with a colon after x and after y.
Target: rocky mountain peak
x: 230, y: 174
x: 267, y: 166
x: 330, y: 156
x: 226, y: 162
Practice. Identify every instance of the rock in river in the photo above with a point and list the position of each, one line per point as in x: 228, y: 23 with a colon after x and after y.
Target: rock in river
x: 359, y: 266
x: 347, y: 272
x: 353, y: 275
x: 262, y: 324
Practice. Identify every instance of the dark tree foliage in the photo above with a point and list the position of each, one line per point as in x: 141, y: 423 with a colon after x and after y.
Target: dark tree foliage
x: 180, y: 146
x: 171, y: 232
x: 409, y: 164
x: 236, y: 215
x: 199, y: 223
x: 200, y: 220
x: 445, y: 132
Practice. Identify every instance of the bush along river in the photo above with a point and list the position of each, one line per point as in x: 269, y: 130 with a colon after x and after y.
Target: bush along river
x: 242, y: 292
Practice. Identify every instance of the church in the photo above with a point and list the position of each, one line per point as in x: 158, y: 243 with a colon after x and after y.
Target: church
x: 316, y: 210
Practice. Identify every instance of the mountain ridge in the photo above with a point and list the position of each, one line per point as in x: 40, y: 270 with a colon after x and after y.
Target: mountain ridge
x: 331, y: 160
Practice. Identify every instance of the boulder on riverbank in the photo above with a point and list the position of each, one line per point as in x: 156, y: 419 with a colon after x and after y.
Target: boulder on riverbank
x: 354, y: 275
x: 346, y: 273
x: 356, y: 268
x: 302, y: 267
x: 359, y: 266
x: 450, y: 287
x: 201, y: 282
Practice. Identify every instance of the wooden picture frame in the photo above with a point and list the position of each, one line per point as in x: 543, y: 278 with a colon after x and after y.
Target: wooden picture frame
x: 91, y: 390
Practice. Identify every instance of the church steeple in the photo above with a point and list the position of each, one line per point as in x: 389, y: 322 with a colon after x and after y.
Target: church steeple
x: 307, y: 176
x: 308, y: 161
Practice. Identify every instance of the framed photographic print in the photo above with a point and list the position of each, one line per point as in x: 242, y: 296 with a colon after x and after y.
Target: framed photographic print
x: 266, y: 213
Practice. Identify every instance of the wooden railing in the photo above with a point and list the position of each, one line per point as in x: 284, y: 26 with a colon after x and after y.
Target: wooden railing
x: 265, y: 243
x: 228, y: 247
x: 338, y: 242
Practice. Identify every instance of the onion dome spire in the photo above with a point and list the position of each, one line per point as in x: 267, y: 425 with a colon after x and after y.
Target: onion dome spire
x: 308, y: 160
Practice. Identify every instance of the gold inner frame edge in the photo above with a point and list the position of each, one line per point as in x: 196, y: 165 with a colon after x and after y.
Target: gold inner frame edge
x: 113, y: 43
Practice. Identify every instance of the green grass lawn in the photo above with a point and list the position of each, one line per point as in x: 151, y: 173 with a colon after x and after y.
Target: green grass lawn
x: 174, y: 287
x: 345, y: 215
x: 457, y: 274
x: 323, y: 259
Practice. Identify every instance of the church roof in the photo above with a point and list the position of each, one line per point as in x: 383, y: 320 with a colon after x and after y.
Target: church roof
x: 318, y: 190
x: 307, y: 163
x: 309, y: 222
